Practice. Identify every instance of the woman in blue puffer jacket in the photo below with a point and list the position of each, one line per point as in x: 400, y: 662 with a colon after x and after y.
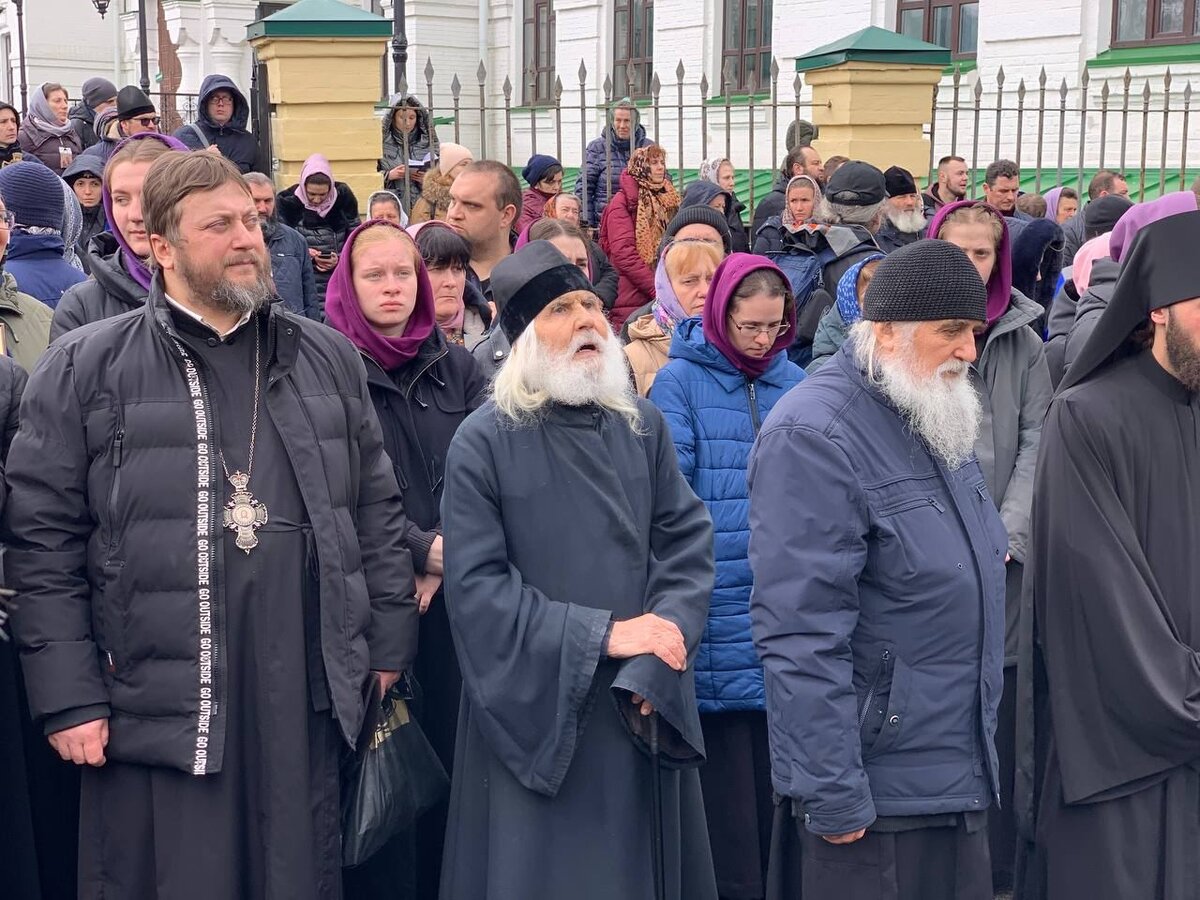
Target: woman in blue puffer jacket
x: 726, y: 372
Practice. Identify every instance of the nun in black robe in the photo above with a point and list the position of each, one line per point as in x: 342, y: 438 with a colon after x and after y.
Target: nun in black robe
x: 1113, y: 579
x: 559, y: 528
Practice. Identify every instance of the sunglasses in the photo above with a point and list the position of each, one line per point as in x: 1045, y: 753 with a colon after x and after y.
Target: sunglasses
x: 147, y: 121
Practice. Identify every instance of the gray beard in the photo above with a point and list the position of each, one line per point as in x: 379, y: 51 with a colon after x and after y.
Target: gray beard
x: 572, y: 383
x: 907, y: 222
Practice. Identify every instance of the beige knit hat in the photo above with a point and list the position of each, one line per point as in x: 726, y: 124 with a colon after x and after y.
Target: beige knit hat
x: 450, y: 155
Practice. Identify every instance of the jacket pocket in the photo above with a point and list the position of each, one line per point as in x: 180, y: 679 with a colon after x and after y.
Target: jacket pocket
x: 111, y: 625
x: 885, y: 705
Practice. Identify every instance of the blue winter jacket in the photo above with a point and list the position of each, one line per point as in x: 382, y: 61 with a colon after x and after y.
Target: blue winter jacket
x: 36, y: 261
x: 714, y: 414
x: 292, y: 271
x: 878, y: 609
x: 599, y: 189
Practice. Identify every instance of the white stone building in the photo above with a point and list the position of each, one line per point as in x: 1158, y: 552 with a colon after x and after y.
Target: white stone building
x: 66, y: 40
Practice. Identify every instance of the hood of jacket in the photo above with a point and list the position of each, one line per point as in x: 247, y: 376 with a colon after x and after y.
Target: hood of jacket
x: 9, y: 293
x: 646, y: 328
x: 999, y: 286
x: 1037, y: 250
x: 421, y: 134
x: 690, y: 343
x: 1021, y: 312
x: 701, y: 193
x: 241, y: 107
x: 83, y: 113
x: 84, y: 165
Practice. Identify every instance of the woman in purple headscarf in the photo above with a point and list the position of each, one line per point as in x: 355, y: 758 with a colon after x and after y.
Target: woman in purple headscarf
x: 727, y: 370
x: 117, y: 258
x: 422, y: 387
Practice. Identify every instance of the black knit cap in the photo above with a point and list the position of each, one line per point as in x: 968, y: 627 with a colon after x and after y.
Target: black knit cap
x: 132, y: 102
x: 528, y: 281
x: 899, y: 182
x: 1102, y: 215
x: 926, y: 281
x: 699, y: 215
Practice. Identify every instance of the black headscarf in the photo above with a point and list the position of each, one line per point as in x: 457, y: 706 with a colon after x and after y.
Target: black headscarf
x: 1161, y: 268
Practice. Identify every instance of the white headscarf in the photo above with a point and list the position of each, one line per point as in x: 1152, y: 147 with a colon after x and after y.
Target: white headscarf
x: 43, y: 116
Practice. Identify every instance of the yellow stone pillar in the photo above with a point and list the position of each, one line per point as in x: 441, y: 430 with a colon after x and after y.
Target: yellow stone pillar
x: 322, y: 70
x: 872, y: 95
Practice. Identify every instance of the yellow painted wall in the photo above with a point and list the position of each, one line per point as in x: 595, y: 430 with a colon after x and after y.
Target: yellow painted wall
x: 875, y: 112
x: 323, y: 93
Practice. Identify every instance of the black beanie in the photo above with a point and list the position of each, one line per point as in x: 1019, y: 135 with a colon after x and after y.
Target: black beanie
x: 926, y: 281
x: 699, y: 215
x: 132, y: 102
x: 526, y: 282
x: 899, y: 182
x: 1102, y: 215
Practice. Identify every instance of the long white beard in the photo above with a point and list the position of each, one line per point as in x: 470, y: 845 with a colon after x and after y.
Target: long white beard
x: 907, y: 222
x: 602, y: 380
x: 944, y: 409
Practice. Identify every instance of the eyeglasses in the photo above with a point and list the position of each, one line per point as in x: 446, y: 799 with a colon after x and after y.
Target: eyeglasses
x: 221, y: 100
x: 753, y: 329
x: 147, y: 121
x: 7, y: 220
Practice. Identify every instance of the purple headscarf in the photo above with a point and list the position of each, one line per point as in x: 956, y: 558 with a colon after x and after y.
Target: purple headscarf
x: 1141, y: 215
x: 729, y: 275
x: 999, y: 286
x: 317, y: 165
x: 342, y: 310
x: 134, y: 264
x: 1051, y: 197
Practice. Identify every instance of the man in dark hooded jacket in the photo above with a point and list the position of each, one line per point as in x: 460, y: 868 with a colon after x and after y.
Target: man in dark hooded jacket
x: 609, y: 153
x: 1113, y: 579
x: 99, y: 94
x: 224, y: 113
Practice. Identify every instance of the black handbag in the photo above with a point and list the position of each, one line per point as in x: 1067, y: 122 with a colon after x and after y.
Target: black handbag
x: 388, y: 786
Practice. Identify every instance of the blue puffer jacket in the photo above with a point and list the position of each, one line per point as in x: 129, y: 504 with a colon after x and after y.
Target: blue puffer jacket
x: 714, y: 414
x: 596, y: 160
x: 878, y: 609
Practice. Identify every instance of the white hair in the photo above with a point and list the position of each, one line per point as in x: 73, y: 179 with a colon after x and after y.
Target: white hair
x: 909, y: 221
x: 534, y: 376
x: 829, y: 213
x: 942, y: 408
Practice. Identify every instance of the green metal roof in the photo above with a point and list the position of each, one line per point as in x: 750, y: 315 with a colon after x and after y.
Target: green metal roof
x: 874, y: 45
x: 321, y: 18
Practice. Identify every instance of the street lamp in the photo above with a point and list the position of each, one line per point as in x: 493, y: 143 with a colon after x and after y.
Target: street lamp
x: 399, y: 44
x: 21, y: 54
x: 144, y: 53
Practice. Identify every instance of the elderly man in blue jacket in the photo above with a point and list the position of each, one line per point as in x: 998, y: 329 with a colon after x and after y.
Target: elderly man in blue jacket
x: 878, y: 604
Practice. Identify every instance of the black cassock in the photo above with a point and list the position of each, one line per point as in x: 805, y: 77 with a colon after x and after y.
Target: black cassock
x: 552, y: 531
x: 266, y: 826
x: 1114, y: 579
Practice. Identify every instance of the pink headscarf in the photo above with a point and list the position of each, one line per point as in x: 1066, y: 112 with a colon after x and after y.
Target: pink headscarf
x: 317, y: 165
x: 1085, y: 258
x: 343, y: 312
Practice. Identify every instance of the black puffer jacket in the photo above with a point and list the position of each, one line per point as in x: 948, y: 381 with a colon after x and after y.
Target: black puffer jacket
x: 326, y: 234
x: 420, y: 406
x: 12, y: 385
x: 109, y: 292
x: 102, y: 510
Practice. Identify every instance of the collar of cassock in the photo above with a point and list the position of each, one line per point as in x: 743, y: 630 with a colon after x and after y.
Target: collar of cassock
x: 195, y: 316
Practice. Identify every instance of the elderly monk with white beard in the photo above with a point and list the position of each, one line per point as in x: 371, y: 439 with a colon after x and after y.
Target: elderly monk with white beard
x: 878, y: 605
x: 579, y: 566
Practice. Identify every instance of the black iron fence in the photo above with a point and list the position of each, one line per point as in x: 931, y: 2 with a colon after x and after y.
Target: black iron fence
x: 1062, y: 134
x: 1056, y: 134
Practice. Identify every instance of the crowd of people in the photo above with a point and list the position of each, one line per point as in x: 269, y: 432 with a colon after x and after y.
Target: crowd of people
x: 844, y: 552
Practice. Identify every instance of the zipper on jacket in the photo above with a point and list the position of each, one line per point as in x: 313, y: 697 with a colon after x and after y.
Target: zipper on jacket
x: 752, y: 397
x: 915, y: 503
x: 118, y: 453
x: 870, y: 698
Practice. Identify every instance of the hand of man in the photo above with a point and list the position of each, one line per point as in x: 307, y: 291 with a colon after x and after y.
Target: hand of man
x: 395, y: 173
x: 646, y: 708
x: 418, y: 176
x: 427, y: 586
x: 649, y: 634
x: 213, y: 148
x: 433, y: 559
x: 84, y: 744
x: 845, y: 838
x: 386, y: 680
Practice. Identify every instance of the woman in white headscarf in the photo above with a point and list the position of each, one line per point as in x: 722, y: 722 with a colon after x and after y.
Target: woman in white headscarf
x: 46, y: 132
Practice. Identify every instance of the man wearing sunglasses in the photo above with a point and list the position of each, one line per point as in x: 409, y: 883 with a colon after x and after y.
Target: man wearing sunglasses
x: 135, y: 112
